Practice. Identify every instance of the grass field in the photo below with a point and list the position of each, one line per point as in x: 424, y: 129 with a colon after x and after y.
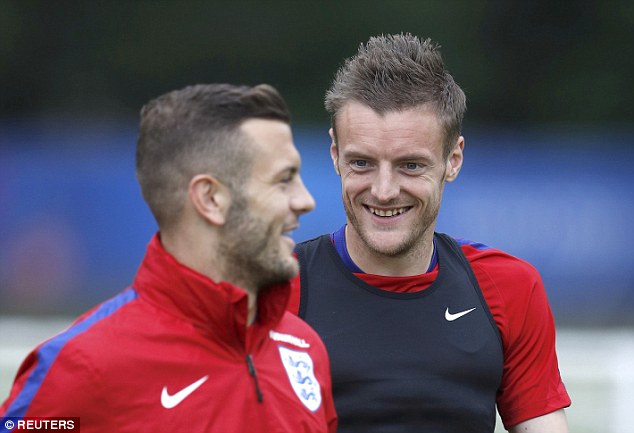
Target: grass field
x: 597, y: 366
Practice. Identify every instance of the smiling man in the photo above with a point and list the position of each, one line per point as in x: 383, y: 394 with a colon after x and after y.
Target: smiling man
x: 201, y: 342
x: 425, y: 333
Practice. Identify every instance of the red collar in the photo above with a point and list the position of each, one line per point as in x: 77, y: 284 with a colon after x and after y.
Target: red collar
x: 220, y: 308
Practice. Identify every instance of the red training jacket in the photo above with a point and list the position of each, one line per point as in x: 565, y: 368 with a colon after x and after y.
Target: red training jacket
x: 174, y: 353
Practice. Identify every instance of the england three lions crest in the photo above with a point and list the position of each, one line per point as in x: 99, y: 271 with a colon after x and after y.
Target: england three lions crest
x: 301, y: 372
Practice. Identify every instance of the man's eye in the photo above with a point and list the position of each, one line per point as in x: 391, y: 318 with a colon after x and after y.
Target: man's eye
x: 413, y: 167
x: 359, y: 163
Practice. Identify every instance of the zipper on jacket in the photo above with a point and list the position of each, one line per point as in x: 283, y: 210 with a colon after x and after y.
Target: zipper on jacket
x: 254, y: 374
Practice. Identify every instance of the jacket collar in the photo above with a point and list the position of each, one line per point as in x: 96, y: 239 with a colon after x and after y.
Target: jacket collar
x: 217, y: 307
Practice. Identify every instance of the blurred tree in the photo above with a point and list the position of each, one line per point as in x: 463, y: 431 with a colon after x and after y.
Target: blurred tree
x: 538, y: 61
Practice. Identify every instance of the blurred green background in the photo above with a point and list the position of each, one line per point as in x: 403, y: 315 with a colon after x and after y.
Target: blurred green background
x: 519, y: 61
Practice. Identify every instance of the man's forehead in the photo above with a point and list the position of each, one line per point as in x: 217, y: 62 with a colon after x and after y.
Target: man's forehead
x: 359, y: 119
x: 355, y: 115
x: 414, y: 133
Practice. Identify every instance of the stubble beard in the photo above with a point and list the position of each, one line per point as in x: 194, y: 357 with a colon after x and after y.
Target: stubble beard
x: 407, y: 245
x: 251, y: 252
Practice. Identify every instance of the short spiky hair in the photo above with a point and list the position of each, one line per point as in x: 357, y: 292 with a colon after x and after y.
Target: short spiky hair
x: 193, y: 131
x: 399, y: 72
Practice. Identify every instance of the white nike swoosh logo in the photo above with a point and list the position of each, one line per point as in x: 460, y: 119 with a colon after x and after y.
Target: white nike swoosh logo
x: 169, y: 401
x: 451, y: 317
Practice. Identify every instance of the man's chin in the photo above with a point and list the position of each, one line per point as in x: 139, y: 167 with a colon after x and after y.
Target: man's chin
x: 292, y: 268
x: 282, y: 274
x: 387, y: 245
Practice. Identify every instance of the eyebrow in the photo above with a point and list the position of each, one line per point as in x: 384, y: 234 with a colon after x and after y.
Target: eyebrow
x: 355, y: 154
x: 288, y: 169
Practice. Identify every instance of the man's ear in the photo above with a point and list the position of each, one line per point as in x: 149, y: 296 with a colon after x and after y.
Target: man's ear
x: 454, y: 161
x: 334, y: 151
x: 210, y: 198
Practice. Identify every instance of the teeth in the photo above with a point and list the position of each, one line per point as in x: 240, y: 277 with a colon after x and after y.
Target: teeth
x: 387, y: 213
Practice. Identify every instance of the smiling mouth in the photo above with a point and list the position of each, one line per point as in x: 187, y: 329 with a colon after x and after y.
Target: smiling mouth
x: 386, y: 213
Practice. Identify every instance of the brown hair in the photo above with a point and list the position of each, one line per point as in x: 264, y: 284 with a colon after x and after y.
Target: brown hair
x: 195, y: 130
x: 399, y: 72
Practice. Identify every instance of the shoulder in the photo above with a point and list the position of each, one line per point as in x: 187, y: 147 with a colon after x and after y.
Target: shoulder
x: 93, y: 332
x: 512, y: 288
x: 498, y: 265
x: 514, y: 291
x: 65, y: 371
x: 89, y: 341
x: 95, y: 329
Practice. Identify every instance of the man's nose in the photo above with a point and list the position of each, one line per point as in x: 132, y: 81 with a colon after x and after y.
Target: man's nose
x: 303, y: 201
x: 385, y: 185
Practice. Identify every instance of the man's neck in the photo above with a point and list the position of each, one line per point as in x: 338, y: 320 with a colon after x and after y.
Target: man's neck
x: 253, y: 308
x: 199, y: 257
x: 414, y: 261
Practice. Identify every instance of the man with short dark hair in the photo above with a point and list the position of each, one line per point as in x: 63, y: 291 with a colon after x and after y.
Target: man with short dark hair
x: 425, y: 333
x: 201, y: 342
